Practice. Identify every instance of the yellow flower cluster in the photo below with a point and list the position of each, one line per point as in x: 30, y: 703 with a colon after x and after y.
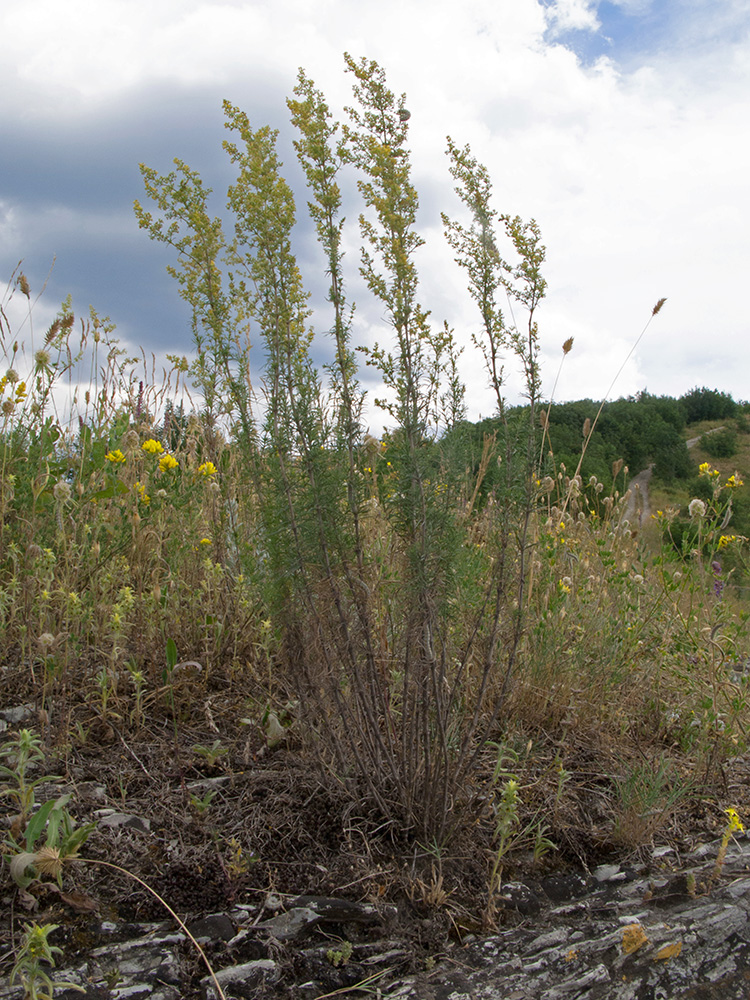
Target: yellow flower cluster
x: 704, y: 469
x: 726, y: 540
x: 168, y: 462
x: 17, y: 396
x: 152, y: 447
x: 115, y: 456
x: 207, y: 469
x: 734, y: 481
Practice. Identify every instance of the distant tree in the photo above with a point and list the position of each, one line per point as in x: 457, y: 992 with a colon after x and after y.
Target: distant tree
x: 707, y: 404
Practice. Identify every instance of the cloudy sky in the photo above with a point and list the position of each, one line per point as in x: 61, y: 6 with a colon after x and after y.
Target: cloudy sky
x: 621, y: 127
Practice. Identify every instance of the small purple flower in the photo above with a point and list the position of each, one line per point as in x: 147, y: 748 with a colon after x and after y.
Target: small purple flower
x: 718, y: 583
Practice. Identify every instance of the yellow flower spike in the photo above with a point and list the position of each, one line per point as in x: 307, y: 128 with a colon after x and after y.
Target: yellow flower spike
x: 152, y: 447
x: 735, y: 824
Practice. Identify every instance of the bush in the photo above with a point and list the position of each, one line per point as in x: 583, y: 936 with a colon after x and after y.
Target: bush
x: 720, y: 443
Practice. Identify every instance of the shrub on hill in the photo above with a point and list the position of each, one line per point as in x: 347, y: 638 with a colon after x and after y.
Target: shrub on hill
x: 720, y: 443
x: 707, y: 404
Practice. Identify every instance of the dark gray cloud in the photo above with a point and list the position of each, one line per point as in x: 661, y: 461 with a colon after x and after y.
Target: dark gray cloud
x: 67, y: 193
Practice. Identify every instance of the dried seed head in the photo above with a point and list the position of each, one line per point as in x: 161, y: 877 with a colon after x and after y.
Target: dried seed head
x: 42, y: 358
x: 52, y: 332
x: 658, y: 306
x: 568, y: 346
x: 61, y: 491
x: 132, y: 440
x: 23, y: 284
x: 587, y: 427
x: 12, y: 376
x: 616, y: 467
x: 48, y: 861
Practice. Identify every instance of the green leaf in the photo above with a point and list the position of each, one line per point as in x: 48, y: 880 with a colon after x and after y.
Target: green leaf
x: 171, y: 654
x: 110, y: 491
x: 37, y: 823
x: 55, y: 817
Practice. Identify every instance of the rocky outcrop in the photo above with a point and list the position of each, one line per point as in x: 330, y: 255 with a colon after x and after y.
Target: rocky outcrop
x: 632, y: 937
x: 671, y: 929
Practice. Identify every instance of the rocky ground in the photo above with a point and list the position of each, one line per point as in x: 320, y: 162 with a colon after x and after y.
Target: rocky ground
x: 291, y: 893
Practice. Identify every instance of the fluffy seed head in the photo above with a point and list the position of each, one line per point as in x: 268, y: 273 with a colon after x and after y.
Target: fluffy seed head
x: 61, y: 491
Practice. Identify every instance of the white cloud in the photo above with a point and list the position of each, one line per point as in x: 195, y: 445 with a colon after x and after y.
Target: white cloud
x: 572, y: 15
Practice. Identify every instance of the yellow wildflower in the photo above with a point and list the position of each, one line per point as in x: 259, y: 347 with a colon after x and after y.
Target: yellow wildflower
x: 115, y: 456
x: 734, y: 821
x: 207, y: 469
x: 725, y: 540
x: 734, y: 481
x: 152, y: 447
x: 205, y: 541
x: 167, y: 462
x: 143, y: 496
x: 704, y: 469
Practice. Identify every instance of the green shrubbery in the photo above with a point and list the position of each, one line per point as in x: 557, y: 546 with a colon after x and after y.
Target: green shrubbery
x: 720, y: 443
